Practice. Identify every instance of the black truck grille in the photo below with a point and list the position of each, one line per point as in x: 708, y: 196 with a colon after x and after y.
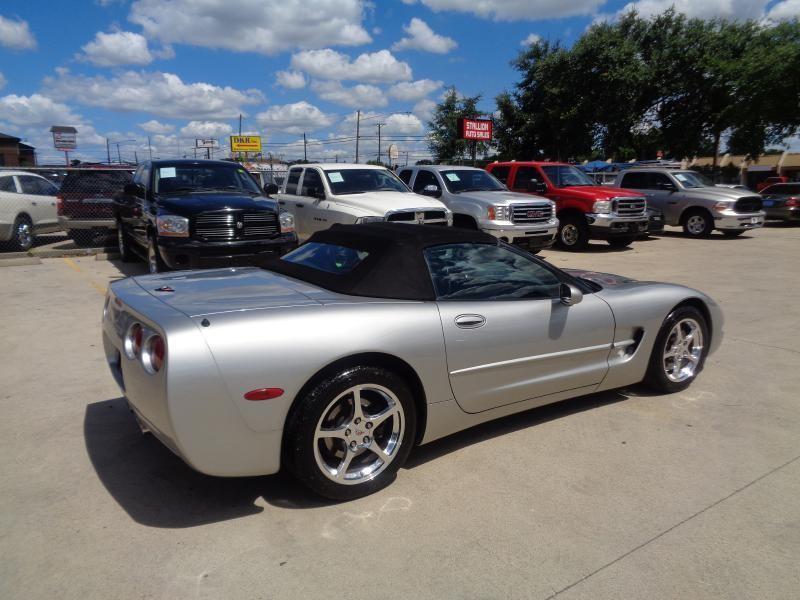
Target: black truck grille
x: 426, y: 217
x: 629, y: 207
x: 236, y: 225
x: 531, y: 213
x: 748, y: 204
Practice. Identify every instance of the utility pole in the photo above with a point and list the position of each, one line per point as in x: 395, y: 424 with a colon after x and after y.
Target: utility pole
x: 149, y: 148
x: 240, y: 123
x: 108, y: 152
x: 379, y: 125
x: 305, y: 147
x: 119, y: 158
x: 136, y: 156
x: 358, y: 126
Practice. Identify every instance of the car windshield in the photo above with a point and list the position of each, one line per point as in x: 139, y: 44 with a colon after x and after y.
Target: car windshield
x: 566, y: 176
x: 690, y: 179
x: 182, y: 178
x: 358, y: 181
x: 470, y: 180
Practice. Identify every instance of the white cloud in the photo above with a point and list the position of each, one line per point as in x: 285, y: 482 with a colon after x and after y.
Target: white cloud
x: 293, y: 80
x: 36, y: 110
x: 153, y: 126
x: 708, y: 9
x: 422, y: 37
x: 375, y: 67
x: 424, y: 109
x: 294, y: 118
x: 16, y: 34
x: 412, y: 91
x: 3, y: 81
x: 517, y: 10
x: 784, y: 11
x: 404, y: 125
x: 533, y: 38
x: 206, y: 129
x: 263, y: 26
x: 358, y: 96
x: 161, y: 94
x: 119, y: 48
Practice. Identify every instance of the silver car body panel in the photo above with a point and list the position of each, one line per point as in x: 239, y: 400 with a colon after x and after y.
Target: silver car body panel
x: 230, y: 331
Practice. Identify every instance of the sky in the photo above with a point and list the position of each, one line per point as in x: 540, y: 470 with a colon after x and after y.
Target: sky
x: 140, y: 78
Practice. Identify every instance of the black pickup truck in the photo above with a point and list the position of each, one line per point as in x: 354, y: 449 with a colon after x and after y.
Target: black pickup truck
x: 186, y: 214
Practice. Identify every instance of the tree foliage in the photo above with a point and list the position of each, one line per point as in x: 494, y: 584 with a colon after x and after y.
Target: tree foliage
x: 629, y: 88
x: 443, y: 136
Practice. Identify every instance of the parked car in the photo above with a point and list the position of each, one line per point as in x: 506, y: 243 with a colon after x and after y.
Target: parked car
x: 771, y: 181
x: 27, y: 208
x: 319, y: 195
x: 782, y: 201
x: 86, y: 203
x: 479, y: 201
x: 689, y: 199
x: 341, y: 355
x: 585, y: 210
x: 183, y: 214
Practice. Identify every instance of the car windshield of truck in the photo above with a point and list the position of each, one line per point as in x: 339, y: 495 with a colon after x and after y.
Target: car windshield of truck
x: 470, y: 180
x: 358, y: 181
x: 690, y: 179
x: 566, y: 176
x: 194, y: 178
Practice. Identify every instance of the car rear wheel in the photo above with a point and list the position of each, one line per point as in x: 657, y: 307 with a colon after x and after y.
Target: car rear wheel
x: 348, y: 436
x: 155, y: 263
x: 22, y: 234
x: 698, y: 223
x: 679, y: 352
x: 573, y: 234
x: 621, y: 242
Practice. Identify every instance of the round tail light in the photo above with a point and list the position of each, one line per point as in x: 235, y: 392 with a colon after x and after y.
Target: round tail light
x: 154, y: 354
x: 133, y: 340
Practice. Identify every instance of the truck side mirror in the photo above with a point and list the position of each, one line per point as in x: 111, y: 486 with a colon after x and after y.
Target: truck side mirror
x: 432, y: 191
x: 270, y: 188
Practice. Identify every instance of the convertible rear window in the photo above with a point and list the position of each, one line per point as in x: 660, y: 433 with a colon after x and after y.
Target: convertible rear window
x: 329, y: 258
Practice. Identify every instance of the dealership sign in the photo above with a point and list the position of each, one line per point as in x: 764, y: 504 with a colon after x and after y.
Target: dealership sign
x: 205, y: 143
x: 245, y: 143
x: 475, y: 129
x: 64, y: 138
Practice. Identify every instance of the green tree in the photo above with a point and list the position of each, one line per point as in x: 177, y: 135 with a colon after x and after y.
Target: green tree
x: 443, y: 135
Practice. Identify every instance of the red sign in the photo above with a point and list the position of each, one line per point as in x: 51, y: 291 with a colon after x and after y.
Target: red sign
x: 475, y: 129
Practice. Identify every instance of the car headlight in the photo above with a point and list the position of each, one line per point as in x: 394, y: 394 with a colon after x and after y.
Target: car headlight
x: 172, y: 225
x: 499, y: 212
x: 602, y: 206
x: 287, y: 222
x: 361, y: 220
x: 722, y: 205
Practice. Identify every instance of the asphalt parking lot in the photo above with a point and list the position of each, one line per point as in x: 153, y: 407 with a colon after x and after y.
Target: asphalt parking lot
x: 614, y: 495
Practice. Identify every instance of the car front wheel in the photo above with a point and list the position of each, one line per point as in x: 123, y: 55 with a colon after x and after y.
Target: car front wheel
x: 679, y: 352
x: 698, y: 223
x: 348, y: 436
x: 573, y: 234
x: 22, y: 234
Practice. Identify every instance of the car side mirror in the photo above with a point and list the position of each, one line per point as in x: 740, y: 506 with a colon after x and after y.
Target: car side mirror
x: 133, y: 189
x: 432, y: 190
x: 270, y: 188
x: 570, y: 294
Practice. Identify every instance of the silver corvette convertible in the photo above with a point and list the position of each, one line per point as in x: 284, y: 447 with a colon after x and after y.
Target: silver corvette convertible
x: 368, y: 339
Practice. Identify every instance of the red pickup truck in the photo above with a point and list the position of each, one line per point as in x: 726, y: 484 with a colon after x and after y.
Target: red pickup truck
x: 585, y: 210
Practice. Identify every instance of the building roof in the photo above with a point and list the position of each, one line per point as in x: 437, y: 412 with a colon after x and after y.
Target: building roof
x: 6, y: 137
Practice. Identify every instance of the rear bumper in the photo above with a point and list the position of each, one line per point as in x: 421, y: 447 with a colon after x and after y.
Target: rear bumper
x: 70, y: 223
x: 605, y: 226
x: 732, y: 220
x: 182, y: 254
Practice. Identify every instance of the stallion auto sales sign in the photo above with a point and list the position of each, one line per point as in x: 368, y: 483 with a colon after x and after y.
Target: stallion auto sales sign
x: 475, y: 129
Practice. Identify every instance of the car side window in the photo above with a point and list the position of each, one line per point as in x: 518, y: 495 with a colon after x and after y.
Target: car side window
x: 36, y: 186
x: 312, y: 183
x: 634, y: 181
x: 501, y: 173
x: 659, y: 181
x: 488, y: 272
x: 425, y: 178
x: 405, y: 175
x: 524, y: 176
x: 291, y: 182
x: 7, y: 184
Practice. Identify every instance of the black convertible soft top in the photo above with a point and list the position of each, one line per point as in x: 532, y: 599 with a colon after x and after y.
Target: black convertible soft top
x: 395, y: 266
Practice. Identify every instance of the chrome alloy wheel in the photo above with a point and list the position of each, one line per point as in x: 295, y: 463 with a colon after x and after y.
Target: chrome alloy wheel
x: 683, y: 350
x: 570, y: 234
x: 23, y: 235
x: 359, y: 434
x: 696, y: 224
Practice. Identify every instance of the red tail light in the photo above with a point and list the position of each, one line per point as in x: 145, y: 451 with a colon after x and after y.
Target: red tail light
x: 793, y: 202
x: 154, y: 354
x: 133, y: 340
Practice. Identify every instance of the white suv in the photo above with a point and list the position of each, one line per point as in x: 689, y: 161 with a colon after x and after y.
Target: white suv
x: 27, y: 207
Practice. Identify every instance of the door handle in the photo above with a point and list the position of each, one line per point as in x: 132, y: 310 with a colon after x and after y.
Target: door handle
x: 470, y: 321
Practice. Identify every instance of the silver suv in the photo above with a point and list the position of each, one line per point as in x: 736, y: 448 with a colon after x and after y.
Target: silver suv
x: 689, y: 199
x: 479, y: 201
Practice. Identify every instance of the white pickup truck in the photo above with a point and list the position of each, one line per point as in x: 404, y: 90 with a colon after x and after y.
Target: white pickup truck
x: 319, y: 195
x: 479, y: 201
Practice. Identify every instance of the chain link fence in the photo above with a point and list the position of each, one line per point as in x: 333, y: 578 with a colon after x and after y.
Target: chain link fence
x: 78, y: 201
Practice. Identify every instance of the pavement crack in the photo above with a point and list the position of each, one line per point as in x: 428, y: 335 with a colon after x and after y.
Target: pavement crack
x: 666, y: 531
x: 765, y: 345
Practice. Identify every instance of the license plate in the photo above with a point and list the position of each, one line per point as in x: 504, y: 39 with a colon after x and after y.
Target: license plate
x: 755, y: 220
